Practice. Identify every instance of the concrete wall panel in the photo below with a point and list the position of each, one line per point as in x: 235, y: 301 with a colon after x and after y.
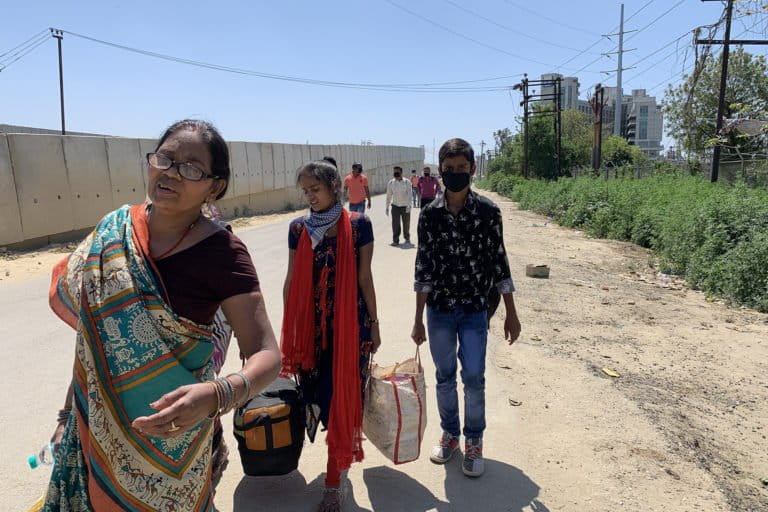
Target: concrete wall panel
x: 145, y: 146
x: 293, y: 160
x: 267, y: 167
x: 126, y: 171
x: 369, y: 156
x: 239, y: 179
x: 305, y: 154
x: 89, y: 183
x: 10, y: 218
x: 278, y: 157
x: 315, y: 152
x: 255, y: 170
x: 45, y: 204
x: 328, y: 151
x: 346, y: 158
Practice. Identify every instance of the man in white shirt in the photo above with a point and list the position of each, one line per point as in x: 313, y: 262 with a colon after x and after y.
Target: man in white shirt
x: 399, y: 196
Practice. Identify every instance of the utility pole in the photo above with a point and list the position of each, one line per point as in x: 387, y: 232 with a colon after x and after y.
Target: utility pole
x: 618, y: 113
x: 482, y: 158
x: 558, y: 123
x: 59, y: 35
x: 597, y: 102
x: 727, y: 42
x: 434, y: 156
x: 525, y: 125
x: 713, y: 175
x: 523, y: 88
x: 619, y: 92
x: 553, y: 97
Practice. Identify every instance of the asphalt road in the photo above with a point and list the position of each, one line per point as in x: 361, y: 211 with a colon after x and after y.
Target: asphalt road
x: 37, y: 349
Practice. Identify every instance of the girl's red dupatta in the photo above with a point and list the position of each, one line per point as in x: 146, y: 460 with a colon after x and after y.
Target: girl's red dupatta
x: 298, y: 345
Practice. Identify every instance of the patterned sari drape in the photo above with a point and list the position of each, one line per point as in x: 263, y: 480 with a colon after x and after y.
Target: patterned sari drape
x: 131, y: 349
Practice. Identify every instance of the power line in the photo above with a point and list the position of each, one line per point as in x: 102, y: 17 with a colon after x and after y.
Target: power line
x: 652, y: 66
x: 551, y: 20
x: 425, y: 87
x: 508, y: 28
x: 673, y: 52
x: 638, y: 11
x: 463, y: 36
x: 26, y: 51
x: 661, y: 48
x: 689, y: 66
x: 34, y: 37
x: 11, y: 54
x: 678, y: 4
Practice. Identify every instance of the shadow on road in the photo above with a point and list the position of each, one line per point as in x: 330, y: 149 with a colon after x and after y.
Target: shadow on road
x: 503, y: 488
x: 289, y: 493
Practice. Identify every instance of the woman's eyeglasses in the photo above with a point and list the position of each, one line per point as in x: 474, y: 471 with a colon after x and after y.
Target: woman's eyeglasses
x: 186, y: 170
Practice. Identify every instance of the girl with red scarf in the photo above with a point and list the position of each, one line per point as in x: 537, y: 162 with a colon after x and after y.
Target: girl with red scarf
x: 330, y: 326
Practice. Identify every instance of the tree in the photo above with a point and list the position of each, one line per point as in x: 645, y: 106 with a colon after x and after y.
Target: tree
x: 618, y: 152
x: 576, y: 144
x: 502, y: 137
x: 691, y: 107
x: 576, y: 147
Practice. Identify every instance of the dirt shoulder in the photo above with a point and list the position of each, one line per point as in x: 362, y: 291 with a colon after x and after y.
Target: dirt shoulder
x: 695, y: 370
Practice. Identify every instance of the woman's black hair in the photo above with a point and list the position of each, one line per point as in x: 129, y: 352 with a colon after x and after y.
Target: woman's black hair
x: 325, y: 171
x: 217, y: 147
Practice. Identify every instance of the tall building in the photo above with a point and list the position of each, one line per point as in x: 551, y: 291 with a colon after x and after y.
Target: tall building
x: 641, y: 117
x: 569, y: 90
x: 644, y: 127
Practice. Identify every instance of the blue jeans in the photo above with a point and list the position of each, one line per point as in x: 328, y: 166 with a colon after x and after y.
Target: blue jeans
x: 357, y: 207
x: 471, y: 332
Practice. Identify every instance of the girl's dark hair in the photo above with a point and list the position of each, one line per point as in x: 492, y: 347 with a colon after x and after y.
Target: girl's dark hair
x: 217, y: 147
x: 455, y: 147
x: 325, y: 171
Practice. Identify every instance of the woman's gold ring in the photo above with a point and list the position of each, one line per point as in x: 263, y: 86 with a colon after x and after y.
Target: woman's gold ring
x: 173, y: 428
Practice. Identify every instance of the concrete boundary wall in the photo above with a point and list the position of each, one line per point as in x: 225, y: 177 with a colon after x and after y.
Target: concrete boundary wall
x: 53, y: 185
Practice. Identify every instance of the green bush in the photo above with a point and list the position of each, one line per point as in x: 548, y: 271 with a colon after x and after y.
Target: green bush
x: 715, y: 235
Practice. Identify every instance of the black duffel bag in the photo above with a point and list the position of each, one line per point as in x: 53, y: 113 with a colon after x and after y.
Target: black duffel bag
x: 270, y: 430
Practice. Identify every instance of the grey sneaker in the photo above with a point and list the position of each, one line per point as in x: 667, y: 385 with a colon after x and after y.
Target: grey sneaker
x: 473, y: 458
x: 443, y: 450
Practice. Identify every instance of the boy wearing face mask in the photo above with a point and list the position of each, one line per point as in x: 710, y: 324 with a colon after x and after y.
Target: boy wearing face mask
x: 461, y: 255
x: 399, y: 196
x: 429, y: 187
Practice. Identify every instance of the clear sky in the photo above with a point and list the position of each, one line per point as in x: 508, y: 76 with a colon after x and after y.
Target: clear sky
x: 113, y: 91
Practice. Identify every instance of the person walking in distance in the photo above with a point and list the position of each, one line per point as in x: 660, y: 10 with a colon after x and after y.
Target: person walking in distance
x: 460, y: 257
x: 399, y: 196
x: 429, y: 188
x: 414, y: 189
x: 356, y: 189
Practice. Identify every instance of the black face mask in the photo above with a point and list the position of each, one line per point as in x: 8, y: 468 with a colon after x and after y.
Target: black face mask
x: 456, y: 181
x: 397, y: 175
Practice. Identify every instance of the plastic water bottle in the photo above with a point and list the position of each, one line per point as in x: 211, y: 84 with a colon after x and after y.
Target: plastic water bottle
x: 43, y: 458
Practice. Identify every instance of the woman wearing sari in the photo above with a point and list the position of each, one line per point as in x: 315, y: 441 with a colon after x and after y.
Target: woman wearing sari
x: 142, y: 291
x: 330, y: 326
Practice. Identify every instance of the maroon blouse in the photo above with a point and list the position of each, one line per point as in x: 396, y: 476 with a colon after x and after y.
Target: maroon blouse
x: 200, y: 278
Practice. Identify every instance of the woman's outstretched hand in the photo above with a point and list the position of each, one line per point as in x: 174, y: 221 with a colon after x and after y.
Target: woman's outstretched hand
x: 178, y: 411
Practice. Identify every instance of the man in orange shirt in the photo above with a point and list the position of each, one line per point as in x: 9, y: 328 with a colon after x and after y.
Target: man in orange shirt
x: 356, y: 189
x: 414, y: 189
